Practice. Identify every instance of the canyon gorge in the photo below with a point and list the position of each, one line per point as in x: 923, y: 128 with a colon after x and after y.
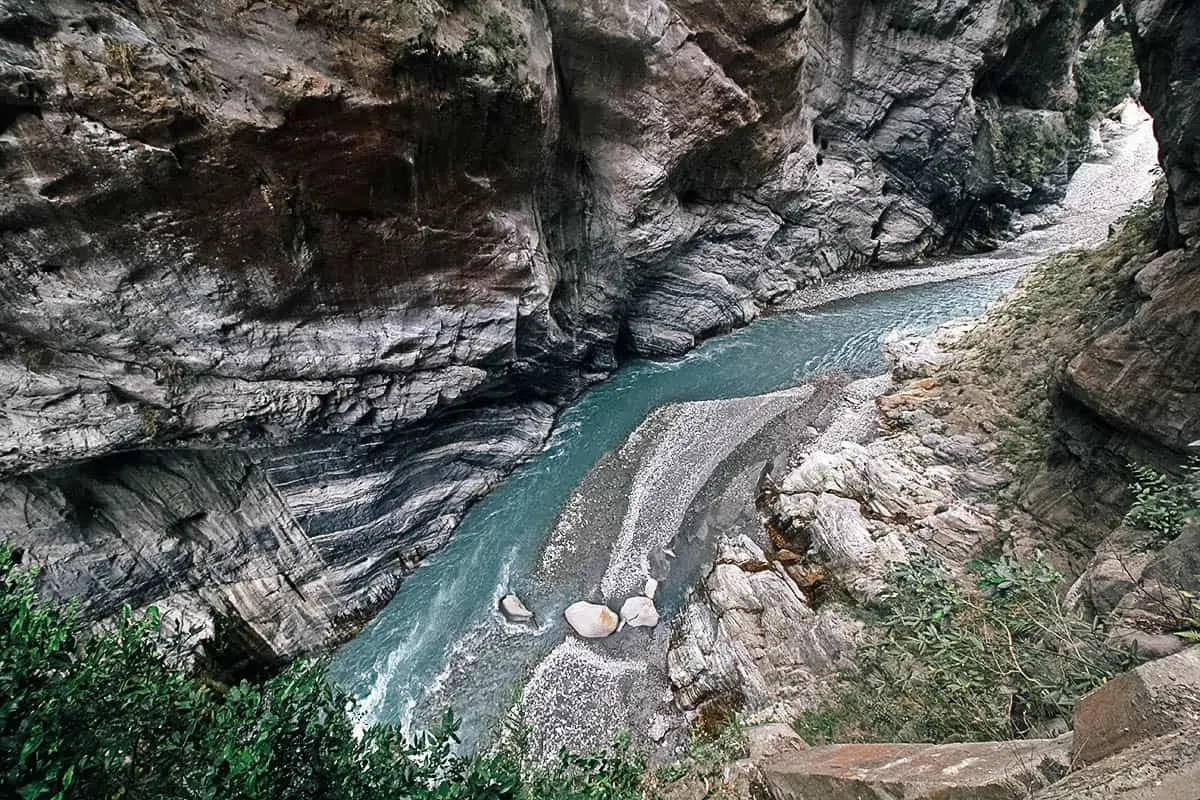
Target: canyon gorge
x: 288, y: 286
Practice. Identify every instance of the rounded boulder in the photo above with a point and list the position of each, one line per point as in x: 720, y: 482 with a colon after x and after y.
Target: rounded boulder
x: 591, y: 621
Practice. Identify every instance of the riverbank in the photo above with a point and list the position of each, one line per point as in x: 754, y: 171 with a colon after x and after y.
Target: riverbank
x: 750, y: 639
x: 984, y: 452
x: 443, y: 643
x: 956, y: 465
x: 542, y: 534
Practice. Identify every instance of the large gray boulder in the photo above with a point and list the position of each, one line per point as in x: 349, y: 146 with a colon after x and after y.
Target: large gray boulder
x: 639, y: 612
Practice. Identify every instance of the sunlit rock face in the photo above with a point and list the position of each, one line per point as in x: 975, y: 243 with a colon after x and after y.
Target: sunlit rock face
x: 285, y: 286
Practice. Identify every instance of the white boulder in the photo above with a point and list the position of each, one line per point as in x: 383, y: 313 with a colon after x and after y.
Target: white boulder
x: 591, y: 621
x: 651, y: 588
x: 639, y: 612
x: 514, y: 610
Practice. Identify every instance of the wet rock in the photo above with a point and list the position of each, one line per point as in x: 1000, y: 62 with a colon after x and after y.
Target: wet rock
x: 514, y: 610
x: 590, y: 620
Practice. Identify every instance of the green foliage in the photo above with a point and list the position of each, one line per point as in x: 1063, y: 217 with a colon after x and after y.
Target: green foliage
x: 1163, y: 504
x: 706, y: 759
x: 942, y: 663
x: 1103, y: 77
x: 1187, y: 619
x: 112, y: 718
x: 1027, y: 145
x: 599, y: 775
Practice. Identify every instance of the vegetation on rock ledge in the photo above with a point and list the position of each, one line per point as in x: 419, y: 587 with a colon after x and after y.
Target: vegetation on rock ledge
x: 1105, y: 75
x: 1163, y: 504
x: 945, y: 663
x: 1022, y: 347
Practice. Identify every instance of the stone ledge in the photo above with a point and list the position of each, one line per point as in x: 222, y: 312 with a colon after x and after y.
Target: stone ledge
x: 966, y: 771
x: 1156, y: 698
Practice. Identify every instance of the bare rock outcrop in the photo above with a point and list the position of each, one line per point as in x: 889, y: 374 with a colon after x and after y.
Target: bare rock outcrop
x: 364, y: 250
x: 1166, y: 38
x: 1136, y: 736
x: 959, y: 771
x: 1141, y: 375
x: 755, y: 642
x: 772, y: 626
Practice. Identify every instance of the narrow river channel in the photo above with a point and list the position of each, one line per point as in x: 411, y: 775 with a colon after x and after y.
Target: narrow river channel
x: 441, y: 642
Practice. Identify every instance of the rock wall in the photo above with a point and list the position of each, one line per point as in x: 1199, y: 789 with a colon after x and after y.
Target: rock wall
x: 1143, y: 375
x: 1166, y: 39
x: 284, y: 286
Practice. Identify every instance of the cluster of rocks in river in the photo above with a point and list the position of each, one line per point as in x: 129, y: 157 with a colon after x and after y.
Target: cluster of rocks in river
x: 595, y: 620
x: 285, y: 286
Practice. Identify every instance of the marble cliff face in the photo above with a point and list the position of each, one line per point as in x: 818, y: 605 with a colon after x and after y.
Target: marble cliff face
x: 285, y: 285
x: 1143, y: 376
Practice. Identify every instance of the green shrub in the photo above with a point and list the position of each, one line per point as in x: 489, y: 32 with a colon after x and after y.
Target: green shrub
x: 1028, y: 145
x: 110, y: 717
x: 1163, y: 504
x: 1104, y: 75
x: 942, y: 663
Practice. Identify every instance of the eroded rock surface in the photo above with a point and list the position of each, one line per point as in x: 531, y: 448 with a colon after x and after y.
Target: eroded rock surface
x: 368, y: 248
x: 1142, y: 375
x: 993, y: 770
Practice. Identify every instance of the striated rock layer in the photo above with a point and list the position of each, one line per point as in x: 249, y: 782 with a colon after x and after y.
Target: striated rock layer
x: 1143, y: 375
x: 285, y: 285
